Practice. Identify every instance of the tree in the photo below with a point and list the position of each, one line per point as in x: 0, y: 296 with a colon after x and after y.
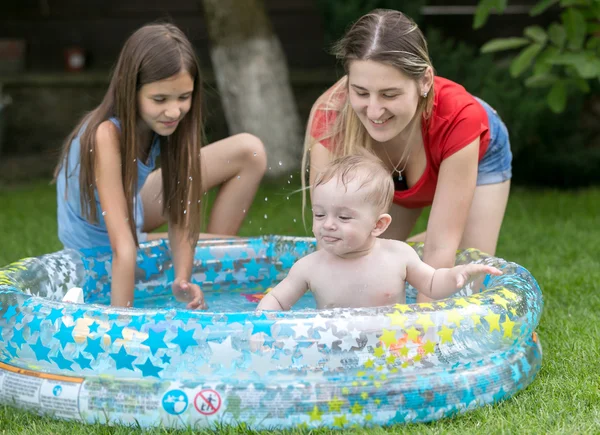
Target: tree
x: 564, y: 56
x: 253, y: 79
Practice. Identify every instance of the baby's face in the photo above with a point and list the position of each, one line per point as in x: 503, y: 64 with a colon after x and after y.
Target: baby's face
x: 342, y: 220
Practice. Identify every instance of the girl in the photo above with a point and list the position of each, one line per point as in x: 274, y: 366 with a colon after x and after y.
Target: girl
x: 444, y: 147
x: 107, y: 189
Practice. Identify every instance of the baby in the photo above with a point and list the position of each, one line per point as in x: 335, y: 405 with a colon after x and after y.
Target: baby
x: 353, y: 267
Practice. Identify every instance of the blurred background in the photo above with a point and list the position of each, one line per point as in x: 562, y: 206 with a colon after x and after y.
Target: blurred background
x: 56, y: 57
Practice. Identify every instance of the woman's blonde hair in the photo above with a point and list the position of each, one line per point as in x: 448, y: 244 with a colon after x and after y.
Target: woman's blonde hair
x: 385, y: 36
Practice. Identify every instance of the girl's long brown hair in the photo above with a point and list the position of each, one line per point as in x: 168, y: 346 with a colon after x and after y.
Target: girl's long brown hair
x: 385, y: 36
x: 154, y: 52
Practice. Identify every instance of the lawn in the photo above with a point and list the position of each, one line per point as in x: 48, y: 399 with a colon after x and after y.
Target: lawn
x: 554, y: 234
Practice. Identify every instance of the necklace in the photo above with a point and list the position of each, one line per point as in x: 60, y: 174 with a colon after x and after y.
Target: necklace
x: 399, y: 171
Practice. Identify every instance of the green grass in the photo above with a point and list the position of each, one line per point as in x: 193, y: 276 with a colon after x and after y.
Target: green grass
x: 554, y: 234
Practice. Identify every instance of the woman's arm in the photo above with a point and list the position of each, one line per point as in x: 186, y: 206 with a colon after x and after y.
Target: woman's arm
x: 109, y: 184
x: 453, y: 196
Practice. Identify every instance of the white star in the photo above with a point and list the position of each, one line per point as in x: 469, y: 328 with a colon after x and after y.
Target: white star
x: 348, y: 342
x: 284, y: 362
x: 355, y: 333
x: 372, y: 339
x: 319, y: 322
x: 335, y: 360
x: 311, y: 357
x: 288, y: 344
x: 261, y: 363
x: 223, y: 353
x: 301, y: 330
x: 327, y: 338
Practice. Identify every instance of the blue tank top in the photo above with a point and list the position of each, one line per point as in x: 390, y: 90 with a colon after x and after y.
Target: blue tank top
x: 74, y: 231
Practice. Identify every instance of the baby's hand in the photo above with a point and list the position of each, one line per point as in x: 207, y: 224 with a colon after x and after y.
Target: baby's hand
x: 468, y: 272
x: 185, y: 291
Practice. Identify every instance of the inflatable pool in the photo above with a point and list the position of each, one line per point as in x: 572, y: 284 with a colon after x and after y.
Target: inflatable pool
x: 171, y: 367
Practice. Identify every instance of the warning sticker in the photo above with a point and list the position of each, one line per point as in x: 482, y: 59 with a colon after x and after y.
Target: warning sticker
x: 54, y: 394
x: 207, y: 402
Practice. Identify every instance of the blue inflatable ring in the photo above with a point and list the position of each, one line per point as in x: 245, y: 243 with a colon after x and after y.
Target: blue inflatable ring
x: 172, y: 367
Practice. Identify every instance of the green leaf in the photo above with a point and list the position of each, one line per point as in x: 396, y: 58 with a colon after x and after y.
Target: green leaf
x: 575, y: 27
x: 557, y: 97
x: 583, y: 85
x: 482, y: 13
x: 524, y: 59
x: 536, y: 33
x: 543, y: 63
x: 540, y: 81
x: 557, y: 35
x: 541, y: 7
x: 586, y: 64
x: 500, y: 44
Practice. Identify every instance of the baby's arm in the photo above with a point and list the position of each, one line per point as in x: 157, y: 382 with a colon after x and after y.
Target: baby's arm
x: 289, y: 290
x: 112, y: 200
x: 444, y: 282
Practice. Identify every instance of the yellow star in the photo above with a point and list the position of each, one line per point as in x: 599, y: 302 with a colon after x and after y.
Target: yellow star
x: 426, y: 305
x: 377, y: 402
x: 509, y: 294
x: 397, y: 318
x: 405, y: 364
x: 513, y: 311
x: 378, y: 352
x: 442, y: 304
x: 354, y: 383
x: 404, y: 351
x: 493, y: 319
x: 362, y: 373
x: 368, y: 417
x: 394, y: 370
x: 424, y: 319
x: 379, y: 368
x: 390, y: 359
x: 461, y: 302
x: 499, y: 300
x: 413, y: 333
x: 345, y: 391
x: 377, y: 384
x: 403, y: 308
x: 454, y: 316
x: 446, y: 334
x: 508, y: 326
x: 369, y: 363
x: 315, y: 415
x: 429, y: 347
x: 475, y: 300
x: 356, y: 409
x: 388, y: 337
x: 364, y: 395
x: 476, y: 319
x: 417, y: 358
x: 302, y: 425
x: 335, y: 404
x: 383, y: 377
x: 340, y: 420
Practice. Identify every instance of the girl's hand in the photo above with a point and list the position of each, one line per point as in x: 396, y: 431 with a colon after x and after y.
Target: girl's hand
x: 469, y: 272
x: 185, y: 291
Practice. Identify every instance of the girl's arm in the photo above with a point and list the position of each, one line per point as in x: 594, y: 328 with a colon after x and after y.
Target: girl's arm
x: 452, y: 201
x: 109, y: 184
x: 182, y: 250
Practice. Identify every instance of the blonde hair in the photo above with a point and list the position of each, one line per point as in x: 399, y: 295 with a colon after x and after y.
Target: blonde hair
x: 383, y: 35
x: 376, y: 180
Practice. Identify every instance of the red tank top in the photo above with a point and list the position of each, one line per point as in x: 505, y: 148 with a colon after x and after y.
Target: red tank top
x: 457, y: 119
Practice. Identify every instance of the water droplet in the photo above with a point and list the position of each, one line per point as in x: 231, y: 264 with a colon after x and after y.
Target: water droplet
x: 191, y: 178
x: 269, y: 168
x: 291, y: 176
x: 266, y: 199
x: 160, y: 201
x: 244, y: 211
x: 103, y: 213
x: 254, y: 154
x: 134, y: 160
x: 294, y: 220
x: 91, y: 150
x: 184, y: 211
x: 289, y: 182
x: 280, y: 163
x: 287, y: 197
x: 265, y: 216
x: 239, y: 176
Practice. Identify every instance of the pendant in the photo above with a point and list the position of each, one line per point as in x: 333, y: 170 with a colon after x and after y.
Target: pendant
x: 400, y: 176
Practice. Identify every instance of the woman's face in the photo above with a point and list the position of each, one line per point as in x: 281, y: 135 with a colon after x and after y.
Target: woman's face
x: 384, y: 98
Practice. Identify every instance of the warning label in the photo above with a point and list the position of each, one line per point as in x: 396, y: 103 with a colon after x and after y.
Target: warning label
x: 207, y: 402
x: 133, y: 398
x: 48, y: 393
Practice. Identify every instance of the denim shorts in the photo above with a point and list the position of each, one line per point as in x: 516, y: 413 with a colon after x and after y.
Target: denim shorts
x: 496, y: 165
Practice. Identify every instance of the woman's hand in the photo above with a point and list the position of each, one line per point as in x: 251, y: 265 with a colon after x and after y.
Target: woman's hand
x: 185, y: 291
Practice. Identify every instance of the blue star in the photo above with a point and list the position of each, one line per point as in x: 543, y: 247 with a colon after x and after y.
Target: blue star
x: 41, y: 351
x: 166, y: 359
x: 257, y: 244
x: 149, y: 369
x: 236, y: 318
x: 439, y: 400
x: 516, y: 373
x: 262, y: 324
x: 17, y: 337
x: 253, y: 268
x: 150, y: 266
x: 93, y: 346
x: 65, y: 335
x: 400, y: 417
x: 55, y: 314
x: 184, y: 339
x: 211, y: 275
x: 136, y: 322
x: 99, y: 267
x: 19, y: 318
x: 158, y: 317
x: 526, y: 366
x: 413, y: 399
x: 78, y: 314
x: 227, y: 263
x: 37, y: 308
x: 94, y: 327
x: 183, y: 315
x: 11, y: 311
x: 12, y: 350
x: 34, y: 325
x: 62, y: 362
x: 155, y: 340
x: 113, y: 316
x: 468, y: 396
x: 83, y: 362
x: 122, y: 359
x: 499, y: 395
x: 115, y: 332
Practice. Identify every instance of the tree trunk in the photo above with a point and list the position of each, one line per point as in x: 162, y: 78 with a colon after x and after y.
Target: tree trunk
x: 253, y: 79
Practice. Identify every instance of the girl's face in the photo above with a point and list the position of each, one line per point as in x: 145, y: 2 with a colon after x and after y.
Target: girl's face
x: 384, y: 98
x: 164, y: 103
